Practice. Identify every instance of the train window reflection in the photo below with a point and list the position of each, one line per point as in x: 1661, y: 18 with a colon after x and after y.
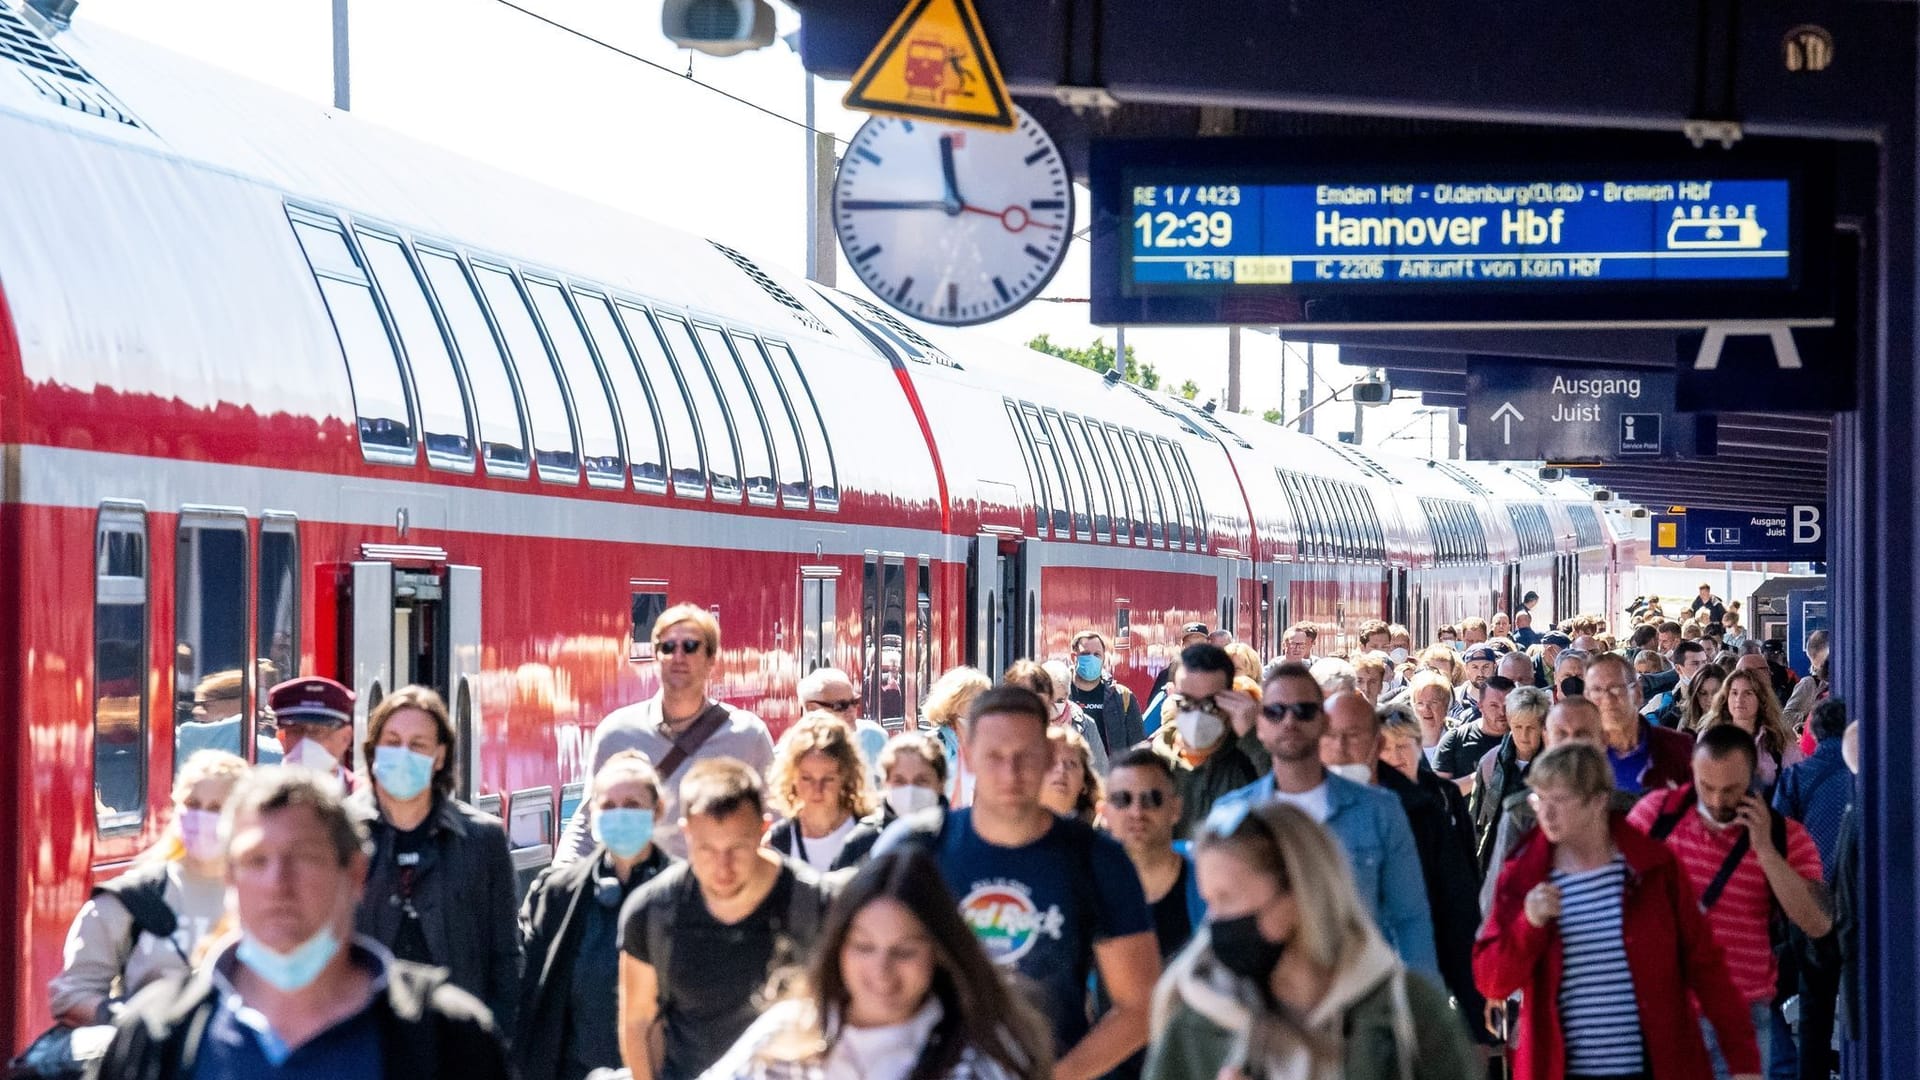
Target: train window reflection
x: 1129, y: 481
x: 599, y: 439
x: 120, y: 668
x: 684, y: 456
x: 1178, y: 455
x: 211, y: 650
x: 276, y: 646
x: 723, y: 455
x: 820, y: 464
x: 1157, y: 516
x: 1036, y: 476
x: 373, y: 367
x: 553, y: 448
x: 782, y: 423
x: 644, y: 456
x: 503, y: 445
x: 436, y: 382
x: 1103, y: 501
x: 1064, y: 507
x: 756, y: 445
x: 1077, y: 478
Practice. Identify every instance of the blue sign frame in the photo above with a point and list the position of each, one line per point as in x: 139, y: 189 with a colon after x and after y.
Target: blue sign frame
x: 1795, y: 533
x: 1459, y: 231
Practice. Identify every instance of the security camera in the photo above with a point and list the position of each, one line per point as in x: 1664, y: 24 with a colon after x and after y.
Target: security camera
x: 1602, y: 495
x: 1549, y: 475
x: 718, y: 27
x: 1373, y: 389
x: 1639, y: 512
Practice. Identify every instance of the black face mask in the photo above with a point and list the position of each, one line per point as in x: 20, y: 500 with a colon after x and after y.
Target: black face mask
x: 1243, y: 950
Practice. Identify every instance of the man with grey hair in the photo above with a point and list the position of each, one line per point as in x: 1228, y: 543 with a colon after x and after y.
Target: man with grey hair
x: 831, y: 690
x: 298, y: 993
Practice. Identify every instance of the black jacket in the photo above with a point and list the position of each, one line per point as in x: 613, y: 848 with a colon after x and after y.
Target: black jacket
x: 429, y: 1030
x: 550, y: 927
x: 1499, y: 776
x: 859, y: 842
x: 1445, y: 845
x: 464, y: 892
x: 1120, y: 722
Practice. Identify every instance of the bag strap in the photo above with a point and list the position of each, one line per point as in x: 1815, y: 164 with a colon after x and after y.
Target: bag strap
x: 1718, y: 885
x: 1677, y: 806
x: 691, y: 740
x: 144, y: 894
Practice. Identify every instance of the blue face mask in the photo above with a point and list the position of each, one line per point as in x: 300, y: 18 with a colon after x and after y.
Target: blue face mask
x: 624, y: 830
x: 1086, y: 667
x: 295, y: 970
x: 401, y: 772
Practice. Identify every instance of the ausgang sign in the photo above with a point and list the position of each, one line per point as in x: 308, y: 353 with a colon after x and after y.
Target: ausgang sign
x: 1560, y: 413
x: 1796, y: 533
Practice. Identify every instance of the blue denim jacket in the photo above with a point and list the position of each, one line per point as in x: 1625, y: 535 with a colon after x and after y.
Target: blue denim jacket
x: 1373, y: 829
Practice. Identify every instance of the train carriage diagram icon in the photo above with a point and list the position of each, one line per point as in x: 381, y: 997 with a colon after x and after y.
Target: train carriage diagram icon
x: 1710, y: 229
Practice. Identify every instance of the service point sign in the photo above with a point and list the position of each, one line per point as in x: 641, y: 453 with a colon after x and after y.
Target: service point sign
x: 1562, y: 413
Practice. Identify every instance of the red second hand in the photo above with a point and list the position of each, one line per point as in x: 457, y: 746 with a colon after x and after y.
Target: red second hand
x: 1007, y: 216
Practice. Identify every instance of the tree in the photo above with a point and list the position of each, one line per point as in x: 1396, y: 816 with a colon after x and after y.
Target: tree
x: 1099, y: 356
x: 1189, y: 389
x: 1273, y: 416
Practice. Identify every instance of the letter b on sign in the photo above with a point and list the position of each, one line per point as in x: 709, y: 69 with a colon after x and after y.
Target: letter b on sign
x: 1806, y: 525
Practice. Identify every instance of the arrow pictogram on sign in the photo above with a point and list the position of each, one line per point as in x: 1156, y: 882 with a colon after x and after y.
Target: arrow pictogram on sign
x: 1506, y: 414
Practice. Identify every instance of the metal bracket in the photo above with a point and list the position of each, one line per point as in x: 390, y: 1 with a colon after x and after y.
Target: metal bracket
x: 1082, y: 99
x: 1702, y: 132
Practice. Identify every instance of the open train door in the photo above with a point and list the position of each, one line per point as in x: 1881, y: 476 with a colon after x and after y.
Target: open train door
x: 997, y: 603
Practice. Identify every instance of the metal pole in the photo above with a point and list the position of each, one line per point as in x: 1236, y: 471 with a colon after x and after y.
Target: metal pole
x: 1277, y: 336
x: 1233, y: 369
x: 342, y: 68
x: 1120, y: 349
x: 1359, y: 421
x: 1306, y: 398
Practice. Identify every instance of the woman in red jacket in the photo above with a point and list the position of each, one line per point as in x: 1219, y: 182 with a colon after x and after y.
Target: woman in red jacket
x: 1597, y: 925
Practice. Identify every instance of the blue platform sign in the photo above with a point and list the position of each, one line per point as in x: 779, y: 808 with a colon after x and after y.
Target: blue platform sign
x: 1796, y: 533
x: 1644, y: 229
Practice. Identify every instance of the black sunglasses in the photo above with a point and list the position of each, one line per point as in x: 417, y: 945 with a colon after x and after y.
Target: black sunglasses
x: 682, y: 645
x: 1152, y: 799
x: 1303, y: 711
x: 835, y: 706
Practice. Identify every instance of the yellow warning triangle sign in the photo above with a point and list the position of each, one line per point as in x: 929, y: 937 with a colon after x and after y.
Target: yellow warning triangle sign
x: 933, y: 64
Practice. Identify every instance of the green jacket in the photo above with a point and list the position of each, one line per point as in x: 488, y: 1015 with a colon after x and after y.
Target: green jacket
x: 1197, y: 1033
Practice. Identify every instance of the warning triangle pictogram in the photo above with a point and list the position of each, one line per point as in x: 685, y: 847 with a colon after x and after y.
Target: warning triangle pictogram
x: 933, y: 63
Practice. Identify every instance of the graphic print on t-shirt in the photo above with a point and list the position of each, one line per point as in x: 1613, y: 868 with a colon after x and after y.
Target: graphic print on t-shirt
x: 1008, y: 923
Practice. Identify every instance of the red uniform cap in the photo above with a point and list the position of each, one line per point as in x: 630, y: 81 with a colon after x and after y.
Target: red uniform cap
x: 314, y: 698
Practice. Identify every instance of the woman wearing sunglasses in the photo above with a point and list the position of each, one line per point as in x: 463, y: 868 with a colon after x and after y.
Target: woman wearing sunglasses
x: 1288, y: 979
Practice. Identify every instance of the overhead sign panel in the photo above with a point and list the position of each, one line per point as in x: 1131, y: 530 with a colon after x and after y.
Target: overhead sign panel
x: 1605, y: 231
x: 933, y: 63
x: 1565, y: 414
x: 1796, y: 533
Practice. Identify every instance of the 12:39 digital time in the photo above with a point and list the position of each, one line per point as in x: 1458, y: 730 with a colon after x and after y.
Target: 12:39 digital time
x: 1198, y: 229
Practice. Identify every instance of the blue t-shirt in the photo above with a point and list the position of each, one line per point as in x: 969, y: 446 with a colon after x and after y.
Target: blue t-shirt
x: 1627, y: 769
x: 1025, y: 907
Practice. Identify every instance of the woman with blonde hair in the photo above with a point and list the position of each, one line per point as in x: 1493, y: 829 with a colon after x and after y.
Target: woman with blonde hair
x: 1746, y: 701
x: 823, y: 786
x: 1443, y: 659
x: 1288, y: 979
x: 148, y: 922
x: 1246, y: 662
x: 1431, y: 696
x: 1072, y: 787
x: 945, y: 712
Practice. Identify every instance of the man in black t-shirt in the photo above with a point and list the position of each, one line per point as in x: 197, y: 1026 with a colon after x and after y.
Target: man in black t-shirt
x: 699, y: 941
x: 1461, y: 748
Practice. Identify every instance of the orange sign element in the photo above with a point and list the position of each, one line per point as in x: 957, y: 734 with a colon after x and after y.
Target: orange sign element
x: 1669, y: 536
x: 933, y: 63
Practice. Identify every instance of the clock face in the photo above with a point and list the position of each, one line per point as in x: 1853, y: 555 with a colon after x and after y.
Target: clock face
x: 953, y: 225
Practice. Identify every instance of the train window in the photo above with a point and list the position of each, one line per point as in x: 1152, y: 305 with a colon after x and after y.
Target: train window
x: 276, y: 634
x: 599, y: 437
x: 1370, y: 522
x: 818, y: 585
x: 1152, y: 500
x: 723, y: 456
x: 1096, y: 480
x: 647, y: 607
x: 547, y: 415
x: 1182, y: 495
x: 1180, y: 530
x: 820, y: 465
x: 923, y: 632
x: 373, y: 365
x: 1113, y: 467
x: 571, y: 796
x: 436, y: 379
x: 1196, y: 509
x: 1059, y: 492
x: 1293, y: 503
x: 529, y: 836
x: 503, y: 443
x: 1036, y: 476
x: 756, y: 445
x: 120, y: 667
x: 212, y: 655
x: 1077, y: 488
x: 893, y: 637
x: 670, y: 391
x: 782, y: 421
x: 1349, y: 519
x: 646, y: 462
x: 1329, y: 517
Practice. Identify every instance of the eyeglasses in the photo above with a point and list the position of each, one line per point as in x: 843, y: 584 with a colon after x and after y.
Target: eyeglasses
x: 1151, y: 799
x: 1203, y: 704
x: 1303, y: 711
x: 848, y: 705
x: 689, y: 646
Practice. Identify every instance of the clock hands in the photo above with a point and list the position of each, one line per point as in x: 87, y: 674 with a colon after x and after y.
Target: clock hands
x: 954, y: 204
x: 1013, y: 218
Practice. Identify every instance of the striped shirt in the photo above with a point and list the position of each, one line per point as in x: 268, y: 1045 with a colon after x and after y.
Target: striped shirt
x: 1598, y: 1017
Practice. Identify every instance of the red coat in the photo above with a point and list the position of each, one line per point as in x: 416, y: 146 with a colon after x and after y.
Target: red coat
x: 1670, y: 951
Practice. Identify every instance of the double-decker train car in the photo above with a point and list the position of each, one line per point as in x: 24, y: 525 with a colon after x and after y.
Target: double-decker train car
x: 283, y: 393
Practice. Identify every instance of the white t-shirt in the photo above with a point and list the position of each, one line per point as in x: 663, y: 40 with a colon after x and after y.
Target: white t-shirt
x: 1312, y: 802
x: 820, y: 851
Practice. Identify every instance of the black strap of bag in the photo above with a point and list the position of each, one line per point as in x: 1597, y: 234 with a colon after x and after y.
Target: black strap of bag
x: 692, y: 739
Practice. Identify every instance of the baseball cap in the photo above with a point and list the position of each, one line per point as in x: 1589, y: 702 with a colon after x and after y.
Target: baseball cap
x: 1481, y: 652
x: 1194, y: 628
x: 312, y: 699
x: 1556, y: 638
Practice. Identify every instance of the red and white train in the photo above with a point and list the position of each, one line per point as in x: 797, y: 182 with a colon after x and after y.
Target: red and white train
x: 281, y: 392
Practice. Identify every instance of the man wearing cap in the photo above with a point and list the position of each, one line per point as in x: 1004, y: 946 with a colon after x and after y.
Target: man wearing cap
x: 1551, y: 643
x: 315, y: 725
x: 1480, y: 661
x: 1194, y: 633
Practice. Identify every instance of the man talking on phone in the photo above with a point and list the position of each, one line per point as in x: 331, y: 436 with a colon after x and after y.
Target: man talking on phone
x: 1742, y: 858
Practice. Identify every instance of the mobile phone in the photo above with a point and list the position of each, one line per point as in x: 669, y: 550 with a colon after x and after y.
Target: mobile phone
x: 1573, y: 686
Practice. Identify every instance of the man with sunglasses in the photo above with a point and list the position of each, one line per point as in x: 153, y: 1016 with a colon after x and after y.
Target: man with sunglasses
x: 1367, y: 821
x: 830, y: 690
x: 1203, y: 743
x: 675, y: 728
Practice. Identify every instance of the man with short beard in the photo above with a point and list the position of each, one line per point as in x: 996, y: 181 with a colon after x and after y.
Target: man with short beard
x: 1462, y: 747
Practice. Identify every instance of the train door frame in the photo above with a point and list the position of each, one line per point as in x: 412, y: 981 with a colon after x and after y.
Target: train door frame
x: 997, y: 603
x: 1398, y: 597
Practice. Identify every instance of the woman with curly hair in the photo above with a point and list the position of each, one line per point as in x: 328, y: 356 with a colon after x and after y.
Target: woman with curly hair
x: 1746, y: 701
x: 825, y: 789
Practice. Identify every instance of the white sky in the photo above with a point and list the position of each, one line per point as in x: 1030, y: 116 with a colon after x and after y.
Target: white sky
x: 487, y: 81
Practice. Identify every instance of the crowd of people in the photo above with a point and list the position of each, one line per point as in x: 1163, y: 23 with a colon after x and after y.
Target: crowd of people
x: 1550, y: 851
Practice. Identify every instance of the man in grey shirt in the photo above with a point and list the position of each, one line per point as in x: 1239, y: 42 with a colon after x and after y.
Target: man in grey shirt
x: 677, y: 727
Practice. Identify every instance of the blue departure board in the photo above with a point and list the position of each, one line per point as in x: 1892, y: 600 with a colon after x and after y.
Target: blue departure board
x: 1489, y: 232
